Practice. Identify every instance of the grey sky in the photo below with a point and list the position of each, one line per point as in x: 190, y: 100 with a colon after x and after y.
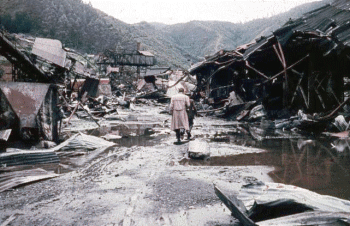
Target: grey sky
x: 180, y: 11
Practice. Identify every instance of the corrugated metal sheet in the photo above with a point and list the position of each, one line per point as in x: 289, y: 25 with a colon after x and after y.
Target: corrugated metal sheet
x: 331, y: 20
x: 50, y: 49
x: 312, y: 46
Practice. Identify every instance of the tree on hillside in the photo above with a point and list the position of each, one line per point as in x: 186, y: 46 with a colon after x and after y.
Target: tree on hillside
x: 49, y: 19
x: 21, y: 23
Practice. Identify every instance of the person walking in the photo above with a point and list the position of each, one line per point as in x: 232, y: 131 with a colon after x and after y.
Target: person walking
x: 191, y: 112
x: 178, y: 109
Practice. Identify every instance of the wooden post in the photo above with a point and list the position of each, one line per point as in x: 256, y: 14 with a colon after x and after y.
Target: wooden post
x: 310, y: 84
x: 256, y: 71
x: 285, y: 82
x: 296, y: 89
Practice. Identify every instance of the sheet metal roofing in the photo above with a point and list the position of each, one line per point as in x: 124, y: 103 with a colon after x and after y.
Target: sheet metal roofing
x: 331, y: 20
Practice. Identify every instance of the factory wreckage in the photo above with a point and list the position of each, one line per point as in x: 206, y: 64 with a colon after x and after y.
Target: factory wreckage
x: 297, y: 78
x: 301, y: 66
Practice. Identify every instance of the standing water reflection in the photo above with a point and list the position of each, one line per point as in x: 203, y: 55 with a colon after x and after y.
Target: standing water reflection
x: 320, y: 164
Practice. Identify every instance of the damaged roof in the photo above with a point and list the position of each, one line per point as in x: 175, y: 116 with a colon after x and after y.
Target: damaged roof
x: 330, y: 20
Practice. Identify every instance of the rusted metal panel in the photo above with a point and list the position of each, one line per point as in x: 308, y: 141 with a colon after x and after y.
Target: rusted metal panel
x: 25, y: 99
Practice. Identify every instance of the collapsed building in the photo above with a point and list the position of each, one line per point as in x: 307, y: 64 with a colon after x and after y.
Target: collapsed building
x: 300, y: 66
x: 28, y: 104
x: 47, y: 81
x: 115, y: 61
x: 41, y: 72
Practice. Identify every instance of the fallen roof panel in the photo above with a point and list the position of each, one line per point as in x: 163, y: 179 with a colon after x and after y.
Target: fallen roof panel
x: 51, y: 50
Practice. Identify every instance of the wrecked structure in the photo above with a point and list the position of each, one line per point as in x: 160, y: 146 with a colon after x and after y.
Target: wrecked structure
x: 43, y: 74
x: 28, y: 109
x: 301, y: 66
x: 113, y: 62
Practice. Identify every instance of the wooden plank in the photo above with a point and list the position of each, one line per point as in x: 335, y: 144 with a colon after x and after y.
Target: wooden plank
x: 278, y: 55
x: 296, y: 89
x: 285, y: 83
x: 256, y: 71
x: 320, y: 98
x: 304, y: 96
x: 291, y: 66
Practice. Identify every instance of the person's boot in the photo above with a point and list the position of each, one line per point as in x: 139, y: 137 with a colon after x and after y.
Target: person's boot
x: 178, y: 136
x: 182, y: 133
x: 188, y: 136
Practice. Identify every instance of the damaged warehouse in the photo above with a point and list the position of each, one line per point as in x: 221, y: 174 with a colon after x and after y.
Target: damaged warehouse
x: 301, y: 66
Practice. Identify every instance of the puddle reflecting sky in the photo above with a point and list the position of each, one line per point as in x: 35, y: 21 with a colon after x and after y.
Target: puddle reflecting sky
x: 319, y: 164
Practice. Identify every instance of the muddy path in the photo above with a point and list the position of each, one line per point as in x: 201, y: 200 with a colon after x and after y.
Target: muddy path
x: 147, y: 180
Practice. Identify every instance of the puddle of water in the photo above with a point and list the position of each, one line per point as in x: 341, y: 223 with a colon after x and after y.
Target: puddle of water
x: 145, y: 141
x: 125, y: 129
x: 318, y: 164
x: 130, y: 133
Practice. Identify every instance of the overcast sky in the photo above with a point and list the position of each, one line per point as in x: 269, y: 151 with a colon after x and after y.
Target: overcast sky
x: 180, y: 11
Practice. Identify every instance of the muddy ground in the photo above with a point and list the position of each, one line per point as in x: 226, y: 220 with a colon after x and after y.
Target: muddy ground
x: 148, y: 180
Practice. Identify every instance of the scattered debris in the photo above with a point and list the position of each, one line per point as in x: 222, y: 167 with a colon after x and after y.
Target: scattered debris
x: 9, y: 220
x: 83, y: 141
